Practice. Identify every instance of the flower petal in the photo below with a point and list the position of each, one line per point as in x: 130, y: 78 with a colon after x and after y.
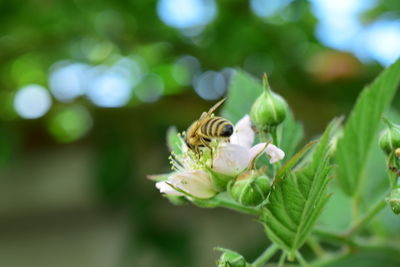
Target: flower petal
x: 275, y: 153
x: 231, y: 159
x: 167, y: 189
x: 197, y: 183
x: 243, y: 134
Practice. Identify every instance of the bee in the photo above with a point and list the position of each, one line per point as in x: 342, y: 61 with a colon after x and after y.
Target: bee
x: 206, y: 128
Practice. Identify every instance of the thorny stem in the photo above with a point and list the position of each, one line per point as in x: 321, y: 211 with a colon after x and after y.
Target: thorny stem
x: 367, y: 217
x: 266, y: 255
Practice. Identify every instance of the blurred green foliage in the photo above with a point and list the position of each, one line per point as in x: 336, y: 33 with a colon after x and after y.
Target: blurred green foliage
x: 82, y: 168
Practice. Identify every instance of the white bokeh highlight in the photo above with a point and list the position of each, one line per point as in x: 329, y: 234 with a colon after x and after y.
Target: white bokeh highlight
x: 340, y: 27
x: 67, y: 80
x: 32, y: 101
x: 109, y: 89
x: 268, y: 8
x: 184, y: 14
x: 210, y: 85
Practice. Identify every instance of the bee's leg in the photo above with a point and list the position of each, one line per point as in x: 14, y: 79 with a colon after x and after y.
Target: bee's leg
x: 209, y: 147
x: 197, y: 152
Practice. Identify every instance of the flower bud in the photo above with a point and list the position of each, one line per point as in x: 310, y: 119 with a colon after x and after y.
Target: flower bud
x: 250, y: 188
x: 231, y: 259
x: 269, y: 109
x: 394, y: 200
x: 397, y: 152
x: 390, y: 137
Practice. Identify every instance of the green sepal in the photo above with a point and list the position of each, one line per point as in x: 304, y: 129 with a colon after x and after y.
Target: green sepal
x: 159, y: 177
x: 389, y: 140
x: 176, y: 200
x: 251, y: 188
x: 219, y: 180
x: 230, y: 258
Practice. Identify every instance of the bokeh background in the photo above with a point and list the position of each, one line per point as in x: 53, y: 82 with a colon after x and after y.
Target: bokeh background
x: 89, y: 88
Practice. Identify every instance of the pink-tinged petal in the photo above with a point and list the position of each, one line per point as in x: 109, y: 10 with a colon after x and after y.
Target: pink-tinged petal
x: 196, y: 183
x: 275, y: 153
x: 231, y: 159
x: 243, y: 134
x: 256, y: 150
x: 167, y: 189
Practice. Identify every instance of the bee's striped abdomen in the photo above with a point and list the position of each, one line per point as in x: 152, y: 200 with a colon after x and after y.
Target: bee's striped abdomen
x: 217, y: 127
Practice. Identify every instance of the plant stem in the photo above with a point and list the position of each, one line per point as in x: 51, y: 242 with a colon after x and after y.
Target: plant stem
x: 330, y: 236
x: 301, y: 260
x: 275, y: 136
x: 266, y: 255
x: 275, y: 140
x: 315, y: 246
x: 355, y: 206
x: 329, y: 258
x: 225, y: 201
x: 237, y: 207
x: 282, y: 259
x: 367, y: 217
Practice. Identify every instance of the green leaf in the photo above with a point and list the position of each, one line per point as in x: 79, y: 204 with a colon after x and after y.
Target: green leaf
x: 243, y: 91
x: 336, y: 216
x: 362, y: 126
x: 296, y: 201
x: 293, y: 161
x: 292, y: 134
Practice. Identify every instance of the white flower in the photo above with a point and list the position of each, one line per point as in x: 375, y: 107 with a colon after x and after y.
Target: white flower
x: 165, y: 188
x: 243, y: 134
x: 196, y: 183
x: 232, y: 158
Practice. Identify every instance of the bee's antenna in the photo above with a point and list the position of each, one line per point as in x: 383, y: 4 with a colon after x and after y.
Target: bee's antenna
x: 213, y: 108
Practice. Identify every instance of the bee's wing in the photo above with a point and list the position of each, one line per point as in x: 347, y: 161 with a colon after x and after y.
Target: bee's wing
x: 213, y: 108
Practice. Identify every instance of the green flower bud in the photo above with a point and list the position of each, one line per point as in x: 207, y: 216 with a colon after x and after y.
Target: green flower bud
x: 394, y: 200
x: 250, y: 188
x: 269, y: 110
x: 231, y: 259
x: 390, y: 137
